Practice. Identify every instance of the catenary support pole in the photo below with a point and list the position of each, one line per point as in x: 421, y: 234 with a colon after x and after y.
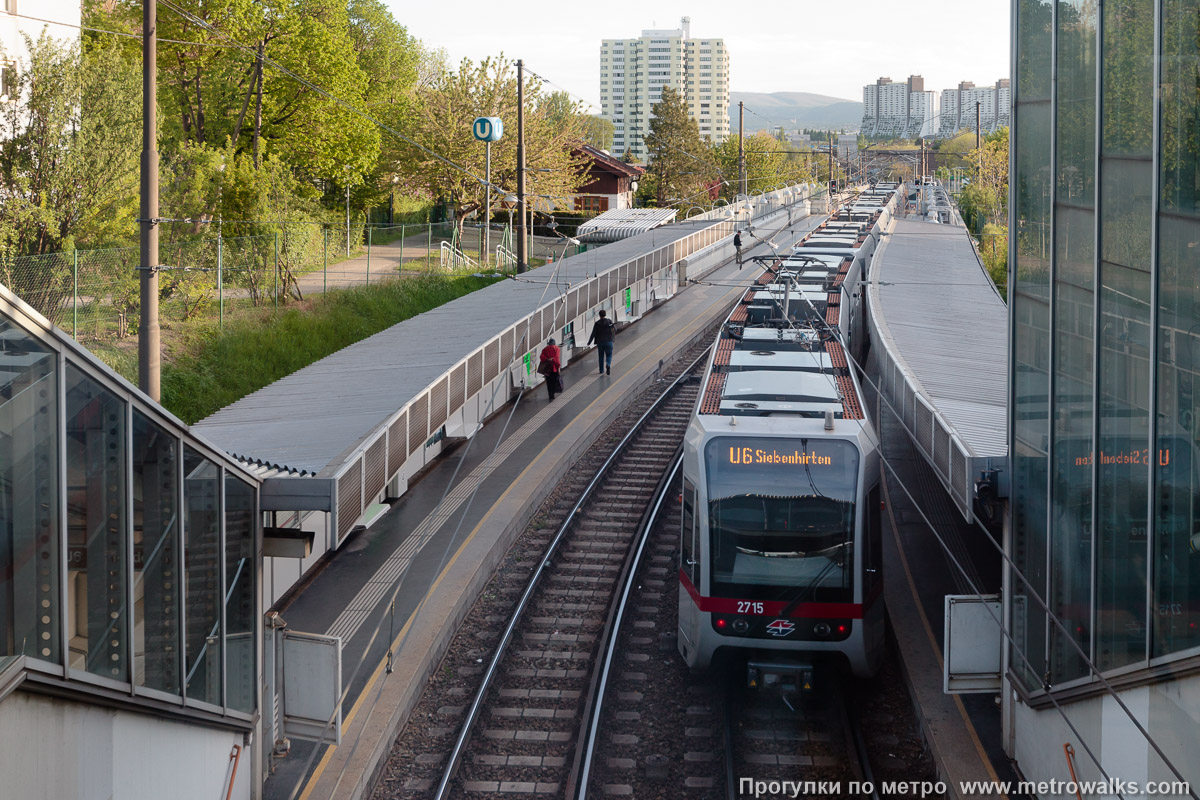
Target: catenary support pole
x: 522, y: 242
x: 149, y: 357
x: 741, y: 148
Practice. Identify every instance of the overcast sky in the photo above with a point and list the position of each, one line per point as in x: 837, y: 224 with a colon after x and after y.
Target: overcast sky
x: 830, y: 48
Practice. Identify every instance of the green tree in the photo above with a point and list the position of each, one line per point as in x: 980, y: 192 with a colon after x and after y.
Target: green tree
x: 767, y: 163
x: 69, y: 149
x: 598, y: 132
x: 441, y: 125
x: 681, y: 163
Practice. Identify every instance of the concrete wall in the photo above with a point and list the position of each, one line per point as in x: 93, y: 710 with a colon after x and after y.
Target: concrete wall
x: 1170, y: 710
x: 56, y: 748
x: 12, y: 27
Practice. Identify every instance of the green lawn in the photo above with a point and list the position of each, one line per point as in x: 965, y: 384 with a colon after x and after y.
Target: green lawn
x: 207, y: 369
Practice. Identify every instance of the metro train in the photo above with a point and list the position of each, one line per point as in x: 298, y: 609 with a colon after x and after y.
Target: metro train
x: 780, y: 547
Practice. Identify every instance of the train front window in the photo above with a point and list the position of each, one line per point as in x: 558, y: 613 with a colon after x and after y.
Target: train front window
x: 781, y: 518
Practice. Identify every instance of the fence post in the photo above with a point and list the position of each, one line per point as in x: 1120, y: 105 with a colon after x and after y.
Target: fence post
x: 369, y: 230
x: 220, y: 283
x: 75, y: 296
x: 400, y: 266
x: 325, y: 259
x: 429, y: 247
x: 276, y: 271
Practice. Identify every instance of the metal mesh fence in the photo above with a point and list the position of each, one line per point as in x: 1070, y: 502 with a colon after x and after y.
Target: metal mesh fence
x: 95, y: 294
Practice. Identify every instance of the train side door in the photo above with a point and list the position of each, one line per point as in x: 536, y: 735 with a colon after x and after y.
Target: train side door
x: 689, y: 570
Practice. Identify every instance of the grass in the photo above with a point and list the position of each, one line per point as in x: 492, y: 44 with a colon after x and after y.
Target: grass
x: 206, y: 370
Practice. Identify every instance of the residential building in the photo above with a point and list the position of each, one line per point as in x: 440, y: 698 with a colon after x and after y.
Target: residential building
x: 633, y: 73
x: 611, y: 182
x: 899, y: 110
x: 1103, y: 526
x: 959, y: 108
x: 64, y: 15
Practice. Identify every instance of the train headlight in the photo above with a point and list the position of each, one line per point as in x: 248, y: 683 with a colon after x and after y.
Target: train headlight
x: 741, y: 626
x: 822, y: 629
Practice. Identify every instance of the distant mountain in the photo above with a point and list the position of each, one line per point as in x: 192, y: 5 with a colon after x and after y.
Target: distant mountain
x: 794, y: 110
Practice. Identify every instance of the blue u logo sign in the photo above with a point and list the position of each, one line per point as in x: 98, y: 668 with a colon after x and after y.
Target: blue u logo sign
x: 487, y: 129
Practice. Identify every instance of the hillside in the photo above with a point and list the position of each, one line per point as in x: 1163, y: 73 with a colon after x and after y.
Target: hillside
x: 795, y: 110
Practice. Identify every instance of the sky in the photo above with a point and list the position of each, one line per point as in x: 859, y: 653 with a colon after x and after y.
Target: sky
x: 830, y: 48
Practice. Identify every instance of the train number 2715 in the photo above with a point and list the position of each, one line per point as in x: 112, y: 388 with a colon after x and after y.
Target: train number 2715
x: 748, y: 607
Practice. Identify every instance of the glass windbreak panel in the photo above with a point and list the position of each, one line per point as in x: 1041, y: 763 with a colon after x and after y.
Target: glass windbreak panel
x: 1123, y: 382
x: 1176, y: 611
x: 239, y: 594
x: 97, y: 569
x: 29, y: 497
x: 1070, y: 529
x: 781, y: 518
x: 156, y: 585
x: 202, y: 576
x: 1032, y: 194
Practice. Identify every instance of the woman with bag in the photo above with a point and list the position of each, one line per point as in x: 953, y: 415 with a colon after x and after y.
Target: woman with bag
x: 549, y: 365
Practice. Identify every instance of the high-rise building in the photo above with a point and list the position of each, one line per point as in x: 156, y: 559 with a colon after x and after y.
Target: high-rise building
x: 1104, y: 408
x: 958, y: 108
x: 633, y: 73
x: 899, y: 110
x: 61, y: 21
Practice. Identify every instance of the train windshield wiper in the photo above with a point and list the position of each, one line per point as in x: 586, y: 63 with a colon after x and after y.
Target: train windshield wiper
x: 827, y: 552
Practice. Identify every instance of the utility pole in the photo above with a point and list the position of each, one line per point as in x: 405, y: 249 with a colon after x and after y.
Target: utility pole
x: 741, y: 151
x: 149, y: 356
x: 830, y: 137
x: 978, y: 154
x: 522, y: 244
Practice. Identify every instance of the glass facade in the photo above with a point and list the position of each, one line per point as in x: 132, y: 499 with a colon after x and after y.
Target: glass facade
x: 1105, y: 497
x: 128, y: 557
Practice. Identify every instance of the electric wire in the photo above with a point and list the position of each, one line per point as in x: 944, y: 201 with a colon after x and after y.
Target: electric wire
x: 820, y: 321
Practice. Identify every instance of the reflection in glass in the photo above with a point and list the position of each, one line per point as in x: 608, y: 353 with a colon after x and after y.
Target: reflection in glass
x: 1176, y: 612
x: 157, y: 640
x: 97, y: 569
x: 1123, y: 381
x: 239, y: 594
x: 1032, y: 195
x: 769, y: 544
x: 1074, y: 338
x: 202, y: 574
x: 29, y: 545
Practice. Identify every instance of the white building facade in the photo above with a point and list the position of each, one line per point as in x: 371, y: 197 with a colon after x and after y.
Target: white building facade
x: 633, y: 73
x: 65, y: 16
x: 959, y: 108
x: 899, y: 110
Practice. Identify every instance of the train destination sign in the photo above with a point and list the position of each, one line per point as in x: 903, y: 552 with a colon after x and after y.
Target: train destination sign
x: 740, y: 456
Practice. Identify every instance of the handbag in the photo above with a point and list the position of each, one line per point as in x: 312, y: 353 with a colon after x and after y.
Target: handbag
x: 546, y: 368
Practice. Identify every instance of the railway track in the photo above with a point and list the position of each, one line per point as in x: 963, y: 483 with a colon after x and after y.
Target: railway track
x: 812, y: 742
x: 525, y: 678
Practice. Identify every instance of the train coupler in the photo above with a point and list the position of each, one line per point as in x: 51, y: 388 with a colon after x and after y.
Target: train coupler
x: 788, y: 679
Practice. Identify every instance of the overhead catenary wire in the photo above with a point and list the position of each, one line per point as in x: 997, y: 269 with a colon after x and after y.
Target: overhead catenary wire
x: 1044, y: 607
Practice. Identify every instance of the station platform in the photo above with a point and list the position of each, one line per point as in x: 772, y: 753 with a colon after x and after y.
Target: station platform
x: 445, y: 536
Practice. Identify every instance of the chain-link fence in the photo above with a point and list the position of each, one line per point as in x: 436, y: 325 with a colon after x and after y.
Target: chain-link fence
x: 95, y: 294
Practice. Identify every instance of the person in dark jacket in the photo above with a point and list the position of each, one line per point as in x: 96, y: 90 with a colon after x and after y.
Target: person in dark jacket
x: 602, y: 334
x: 737, y: 246
x: 550, y: 365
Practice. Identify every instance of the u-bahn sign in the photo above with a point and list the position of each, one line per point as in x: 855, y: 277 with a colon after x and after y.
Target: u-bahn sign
x: 488, y: 129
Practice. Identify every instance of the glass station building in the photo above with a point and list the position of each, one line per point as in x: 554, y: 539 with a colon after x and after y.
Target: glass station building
x: 1105, y: 387
x: 130, y: 558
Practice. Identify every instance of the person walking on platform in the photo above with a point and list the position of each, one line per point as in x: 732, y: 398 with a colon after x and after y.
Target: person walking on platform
x: 550, y: 365
x: 737, y: 246
x: 602, y: 333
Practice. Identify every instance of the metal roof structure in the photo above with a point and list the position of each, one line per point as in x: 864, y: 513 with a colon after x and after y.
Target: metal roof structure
x: 622, y: 223
x: 330, y: 436
x: 943, y: 331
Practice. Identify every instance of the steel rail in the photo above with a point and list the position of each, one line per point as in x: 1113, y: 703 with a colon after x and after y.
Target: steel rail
x: 591, y: 718
x: 460, y: 743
